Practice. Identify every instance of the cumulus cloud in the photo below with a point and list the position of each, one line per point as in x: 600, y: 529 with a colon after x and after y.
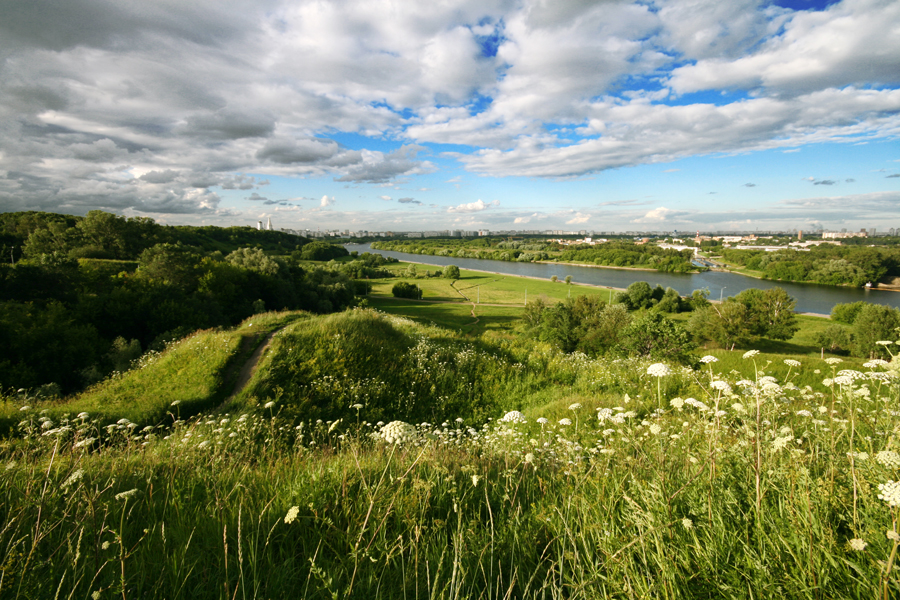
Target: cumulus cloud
x: 660, y: 215
x: 137, y: 107
x: 477, y: 206
x: 326, y: 201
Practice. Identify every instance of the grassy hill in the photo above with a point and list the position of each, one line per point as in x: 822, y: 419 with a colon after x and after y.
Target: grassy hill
x: 374, y: 457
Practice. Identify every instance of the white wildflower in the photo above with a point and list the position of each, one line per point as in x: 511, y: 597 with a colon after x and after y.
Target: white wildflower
x: 791, y: 362
x: 890, y: 493
x: 658, y: 370
x: 565, y: 421
x: 893, y: 535
x: 576, y: 406
x: 888, y: 458
x: 833, y: 360
x: 687, y: 523
x: 126, y: 495
x: 709, y: 359
x: 676, y: 403
x: 291, y: 515
x: 750, y: 353
x: 513, y: 416
x: 858, y: 544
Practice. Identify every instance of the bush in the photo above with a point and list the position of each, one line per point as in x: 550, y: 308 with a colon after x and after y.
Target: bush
x: 406, y: 290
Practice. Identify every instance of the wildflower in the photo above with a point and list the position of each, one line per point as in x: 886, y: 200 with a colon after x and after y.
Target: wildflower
x: 603, y: 414
x: 884, y: 343
x: 851, y: 374
x: 26, y: 407
x: 73, y: 478
x: 565, y: 421
x: 513, y: 416
x: 890, y: 493
x: 843, y: 380
x: 858, y: 544
x: 791, y: 362
x: 861, y: 456
x: 833, y: 360
x: 357, y: 406
x: 782, y: 442
x: 721, y: 386
x: 291, y: 515
x: 888, y: 458
x: 658, y: 370
x: 175, y: 403
x: 475, y: 479
x: 82, y: 415
x: 398, y: 432
x: 85, y: 442
x: 542, y: 420
x: 803, y: 413
x: 575, y: 406
x: 126, y: 495
x: 893, y: 535
x: 750, y: 353
x: 105, y: 545
x: 655, y: 429
x: 676, y: 403
x: 709, y: 359
x: 875, y: 363
x: 269, y: 404
x: 738, y: 407
x: 529, y: 458
x: 687, y: 523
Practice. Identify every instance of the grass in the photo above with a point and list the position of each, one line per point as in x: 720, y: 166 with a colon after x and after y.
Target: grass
x: 190, y: 376
x: 748, y: 478
x: 756, y: 491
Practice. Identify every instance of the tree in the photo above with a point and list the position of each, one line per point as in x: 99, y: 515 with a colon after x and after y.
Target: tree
x: 727, y: 324
x: 836, y: 339
x: 874, y: 323
x: 253, y: 259
x: 450, y: 272
x: 671, y: 302
x: 770, y: 313
x: 655, y: 337
x: 847, y: 312
x: 322, y: 251
x: 406, y: 290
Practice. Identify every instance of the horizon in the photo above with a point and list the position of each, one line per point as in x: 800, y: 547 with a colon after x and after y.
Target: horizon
x: 777, y: 115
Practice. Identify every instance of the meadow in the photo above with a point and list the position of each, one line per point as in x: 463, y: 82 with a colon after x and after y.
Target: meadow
x: 372, y: 456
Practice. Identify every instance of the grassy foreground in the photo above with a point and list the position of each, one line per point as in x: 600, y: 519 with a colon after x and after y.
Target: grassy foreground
x: 497, y: 470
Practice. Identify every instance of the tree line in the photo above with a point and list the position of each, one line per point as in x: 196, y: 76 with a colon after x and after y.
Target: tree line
x: 87, y: 295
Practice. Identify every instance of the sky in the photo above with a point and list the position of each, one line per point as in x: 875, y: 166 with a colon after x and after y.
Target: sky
x: 398, y: 115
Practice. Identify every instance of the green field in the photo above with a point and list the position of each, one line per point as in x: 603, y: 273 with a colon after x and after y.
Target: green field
x: 432, y: 449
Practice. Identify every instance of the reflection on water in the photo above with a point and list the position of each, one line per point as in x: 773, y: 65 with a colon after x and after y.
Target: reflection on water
x: 810, y: 297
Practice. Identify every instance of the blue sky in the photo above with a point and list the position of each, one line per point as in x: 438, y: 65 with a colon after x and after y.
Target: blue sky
x: 488, y: 114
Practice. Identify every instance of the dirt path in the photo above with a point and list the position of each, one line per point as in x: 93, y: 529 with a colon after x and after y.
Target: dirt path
x: 250, y: 366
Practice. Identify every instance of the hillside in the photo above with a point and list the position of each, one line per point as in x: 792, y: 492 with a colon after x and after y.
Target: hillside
x: 372, y: 457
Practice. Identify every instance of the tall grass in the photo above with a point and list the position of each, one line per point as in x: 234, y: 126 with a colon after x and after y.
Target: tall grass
x: 744, y: 483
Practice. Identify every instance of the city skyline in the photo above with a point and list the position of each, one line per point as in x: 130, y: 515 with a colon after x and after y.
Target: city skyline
x: 492, y: 115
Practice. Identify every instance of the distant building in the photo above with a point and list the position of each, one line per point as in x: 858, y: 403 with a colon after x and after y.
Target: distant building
x: 835, y: 235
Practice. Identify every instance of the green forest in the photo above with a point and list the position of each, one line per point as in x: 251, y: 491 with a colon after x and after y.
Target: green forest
x: 829, y: 264
x: 617, y: 253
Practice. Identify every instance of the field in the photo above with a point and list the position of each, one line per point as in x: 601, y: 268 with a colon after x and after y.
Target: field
x: 372, y: 456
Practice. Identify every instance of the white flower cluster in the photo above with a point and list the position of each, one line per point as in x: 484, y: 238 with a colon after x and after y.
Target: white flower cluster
x: 513, y: 416
x: 750, y: 353
x: 659, y: 370
x: 721, y: 386
x: 709, y: 359
x: 890, y: 492
x: 696, y: 404
x: 398, y: 432
x: 888, y: 458
x: 791, y: 362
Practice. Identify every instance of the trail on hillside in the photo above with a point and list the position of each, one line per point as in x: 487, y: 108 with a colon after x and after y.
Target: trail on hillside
x: 250, y: 366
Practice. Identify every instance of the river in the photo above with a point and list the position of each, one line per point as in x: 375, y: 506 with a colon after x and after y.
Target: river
x: 811, y: 298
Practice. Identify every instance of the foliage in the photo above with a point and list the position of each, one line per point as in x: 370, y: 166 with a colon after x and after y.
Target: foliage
x: 450, y: 272
x: 591, y: 489
x: 751, y: 315
x: 847, y: 312
x: 875, y: 323
x: 826, y: 263
x: 657, y: 338
x: 322, y: 251
x: 404, y: 289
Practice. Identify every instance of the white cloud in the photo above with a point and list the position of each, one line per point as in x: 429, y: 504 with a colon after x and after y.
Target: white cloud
x: 326, y: 201
x: 477, y: 206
